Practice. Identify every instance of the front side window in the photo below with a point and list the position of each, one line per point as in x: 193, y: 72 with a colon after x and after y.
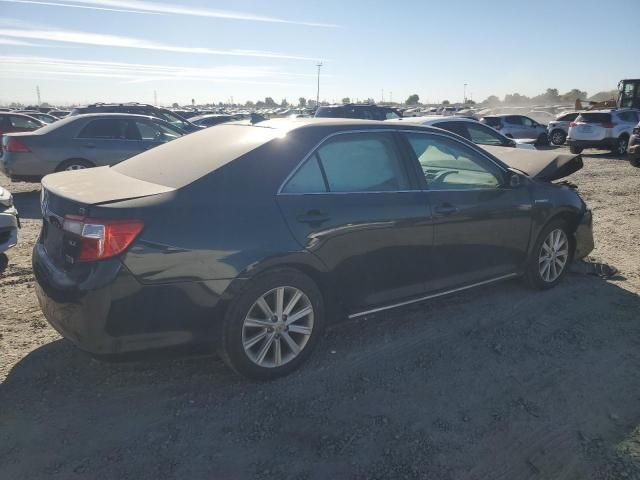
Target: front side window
x: 152, y: 131
x: 450, y: 165
x: 481, y: 135
x: 173, y: 119
x: 527, y: 122
x: 360, y: 162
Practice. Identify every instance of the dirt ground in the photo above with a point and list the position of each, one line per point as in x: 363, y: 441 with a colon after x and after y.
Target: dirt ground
x: 496, y: 383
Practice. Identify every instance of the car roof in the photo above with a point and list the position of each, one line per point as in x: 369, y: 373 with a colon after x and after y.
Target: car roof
x: 428, y: 120
x: 114, y: 115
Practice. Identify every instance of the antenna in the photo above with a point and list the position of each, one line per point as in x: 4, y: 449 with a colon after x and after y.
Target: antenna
x: 38, y: 92
x: 155, y: 98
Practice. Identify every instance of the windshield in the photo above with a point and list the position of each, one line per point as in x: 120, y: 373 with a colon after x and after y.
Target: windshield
x: 594, y: 117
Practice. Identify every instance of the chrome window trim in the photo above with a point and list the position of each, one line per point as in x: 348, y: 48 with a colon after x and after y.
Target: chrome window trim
x: 473, y: 147
x: 431, y: 296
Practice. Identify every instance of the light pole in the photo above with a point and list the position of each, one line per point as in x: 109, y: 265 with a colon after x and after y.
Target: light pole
x: 465, y: 94
x: 319, y: 65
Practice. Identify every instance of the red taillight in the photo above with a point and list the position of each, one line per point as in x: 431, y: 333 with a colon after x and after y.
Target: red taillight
x: 101, y: 238
x: 573, y: 124
x: 608, y: 124
x: 16, y: 146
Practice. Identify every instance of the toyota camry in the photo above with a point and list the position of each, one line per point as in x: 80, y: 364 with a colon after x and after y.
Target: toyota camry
x: 249, y: 240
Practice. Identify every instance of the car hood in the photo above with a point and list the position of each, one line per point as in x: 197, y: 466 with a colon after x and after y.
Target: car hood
x: 96, y: 186
x: 540, y: 164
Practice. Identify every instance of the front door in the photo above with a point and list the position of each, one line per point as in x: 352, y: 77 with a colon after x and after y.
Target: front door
x: 352, y: 204
x: 482, y: 225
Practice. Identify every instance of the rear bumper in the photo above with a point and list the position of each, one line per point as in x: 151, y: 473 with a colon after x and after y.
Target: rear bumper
x: 8, y: 229
x: 24, y: 166
x: 584, y: 236
x: 105, y: 311
x: 605, y: 144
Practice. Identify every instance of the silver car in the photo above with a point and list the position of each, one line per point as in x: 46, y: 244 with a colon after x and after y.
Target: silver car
x: 558, y: 129
x: 9, y: 222
x: 82, y: 141
x: 518, y: 126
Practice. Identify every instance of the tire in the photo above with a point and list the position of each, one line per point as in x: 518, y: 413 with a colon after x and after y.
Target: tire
x: 536, y: 275
x: 542, y: 139
x: 621, y: 145
x: 635, y: 162
x: 256, y: 346
x: 575, y: 150
x: 558, y: 137
x: 74, y: 164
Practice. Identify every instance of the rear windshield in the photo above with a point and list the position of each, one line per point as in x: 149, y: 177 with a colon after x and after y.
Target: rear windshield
x: 331, y: 112
x: 589, y: 117
x: 493, y: 121
x: 183, y: 161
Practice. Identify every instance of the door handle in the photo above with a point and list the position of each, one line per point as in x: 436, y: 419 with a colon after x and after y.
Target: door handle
x: 313, y: 217
x: 445, y: 210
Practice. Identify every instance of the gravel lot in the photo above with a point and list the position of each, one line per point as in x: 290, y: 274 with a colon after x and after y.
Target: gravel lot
x: 497, y: 383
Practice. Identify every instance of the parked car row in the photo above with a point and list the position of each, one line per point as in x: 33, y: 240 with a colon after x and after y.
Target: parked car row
x: 609, y: 129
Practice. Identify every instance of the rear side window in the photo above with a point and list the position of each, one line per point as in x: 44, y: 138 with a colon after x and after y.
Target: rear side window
x: 23, y: 122
x: 513, y: 120
x: 628, y: 117
x: 362, y: 162
x: 331, y: 112
x: 590, y: 117
x: 105, y: 129
x: 492, y: 121
x: 569, y: 117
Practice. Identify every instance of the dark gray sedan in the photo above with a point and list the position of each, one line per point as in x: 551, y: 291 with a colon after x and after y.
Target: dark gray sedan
x: 82, y: 141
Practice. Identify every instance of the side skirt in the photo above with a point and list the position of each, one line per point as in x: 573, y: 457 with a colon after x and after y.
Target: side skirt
x: 433, y: 295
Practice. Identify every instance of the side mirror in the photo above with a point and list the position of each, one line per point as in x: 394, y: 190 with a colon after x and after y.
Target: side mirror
x: 515, y: 180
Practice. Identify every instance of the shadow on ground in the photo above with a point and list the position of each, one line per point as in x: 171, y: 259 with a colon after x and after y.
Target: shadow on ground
x: 28, y: 204
x: 500, y: 383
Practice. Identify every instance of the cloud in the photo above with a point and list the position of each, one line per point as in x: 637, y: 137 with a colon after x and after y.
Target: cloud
x: 148, y: 7
x: 20, y: 43
x: 34, y: 67
x: 86, y: 38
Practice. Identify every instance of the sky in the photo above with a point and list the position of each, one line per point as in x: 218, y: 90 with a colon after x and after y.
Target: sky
x: 79, y: 51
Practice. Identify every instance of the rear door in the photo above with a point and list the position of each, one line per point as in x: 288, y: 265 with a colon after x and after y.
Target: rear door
x: 354, y: 204
x: 481, y: 225
x: 107, y: 141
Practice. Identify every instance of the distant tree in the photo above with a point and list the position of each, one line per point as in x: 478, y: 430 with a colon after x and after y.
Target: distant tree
x: 491, y: 100
x: 574, y: 95
x: 469, y: 102
x: 269, y: 102
x: 346, y: 100
x: 370, y: 101
x: 302, y: 102
x: 413, y: 99
x: 175, y: 105
x: 446, y: 102
x: 515, y: 99
x: 284, y: 103
x: 311, y: 103
x: 249, y: 104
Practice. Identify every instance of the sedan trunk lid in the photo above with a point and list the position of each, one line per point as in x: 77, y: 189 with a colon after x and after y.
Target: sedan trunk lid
x: 545, y: 165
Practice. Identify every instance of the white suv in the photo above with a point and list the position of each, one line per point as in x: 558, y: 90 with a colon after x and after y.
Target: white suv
x: 603, y: 129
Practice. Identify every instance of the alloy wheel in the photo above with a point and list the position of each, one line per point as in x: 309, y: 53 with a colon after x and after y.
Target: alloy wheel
x: 277, y: 327
x: 554, y: 254
x: 75, y: 166
x: 622, y: 145
x: 557, y: 138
